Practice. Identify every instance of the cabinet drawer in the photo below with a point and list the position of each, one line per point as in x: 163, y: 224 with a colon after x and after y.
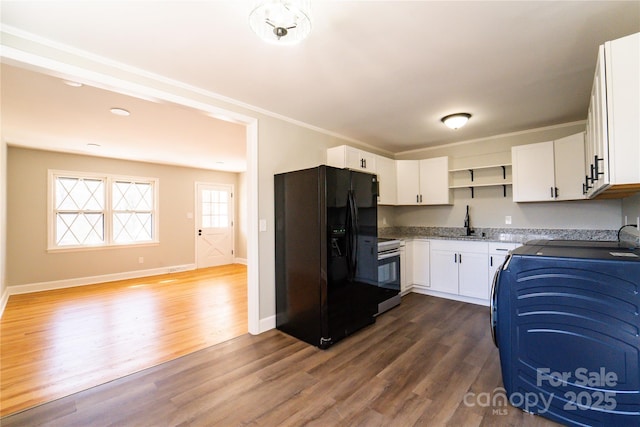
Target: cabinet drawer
x: 498, y: 248
x: 460, y: 246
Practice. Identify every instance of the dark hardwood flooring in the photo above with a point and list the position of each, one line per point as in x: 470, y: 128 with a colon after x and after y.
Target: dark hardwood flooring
x: 414, y: 366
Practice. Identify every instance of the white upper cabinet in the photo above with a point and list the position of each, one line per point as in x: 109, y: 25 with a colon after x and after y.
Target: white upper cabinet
x: 423, y: 182
x: 549, y: 171
x: 613, y: 134
x: 434, y: 181
x: 347, y: 157
x: 533, y: 172
x: 386, y: 170
x: 569, y: 167
x: 408, y: 182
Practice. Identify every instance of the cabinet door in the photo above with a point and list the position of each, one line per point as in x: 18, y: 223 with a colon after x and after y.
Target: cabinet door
x: 473, y: 273
x: 368, y: 162
x: 406, y: 272
x: 354, y: 159
x: 421, y: 262
x: 599, y: 128
x: 495, y: 261
x: 569, y: 167
x: 408, y: 174
x: 434, y: 181
x: 623, y: 109
x: 533, y: 172
x: 444, y: 271
x: 386, y: 170
x: 403, y: 269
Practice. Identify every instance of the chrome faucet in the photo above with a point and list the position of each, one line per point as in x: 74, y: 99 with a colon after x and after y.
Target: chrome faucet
x: 467, y: 223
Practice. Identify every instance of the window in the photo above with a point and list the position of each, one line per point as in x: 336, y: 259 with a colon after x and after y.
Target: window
x: 215, y: 211
x: 101, y: 210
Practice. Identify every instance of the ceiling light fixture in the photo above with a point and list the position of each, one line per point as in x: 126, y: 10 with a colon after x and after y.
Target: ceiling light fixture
x: 281, y: 21
x: 72, y: 83
x: 456, y: 121
x: 120, y: 112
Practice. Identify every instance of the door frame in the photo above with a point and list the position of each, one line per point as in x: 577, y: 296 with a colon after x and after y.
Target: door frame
x: 73, y: 65
x: 233, y: 216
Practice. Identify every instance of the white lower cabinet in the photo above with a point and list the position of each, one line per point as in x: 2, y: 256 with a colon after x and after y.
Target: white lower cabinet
x: 420, y: 263
x: 406, y: 253
x: 460, y: 268
x: 497, y: 254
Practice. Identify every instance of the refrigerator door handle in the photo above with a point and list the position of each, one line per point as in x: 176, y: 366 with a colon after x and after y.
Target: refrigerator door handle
x: 352, y: 235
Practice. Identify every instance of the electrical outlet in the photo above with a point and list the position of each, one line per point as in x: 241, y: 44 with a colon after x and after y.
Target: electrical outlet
x: 507, y: 219
x: 263, y: 225
x: 140, y: 260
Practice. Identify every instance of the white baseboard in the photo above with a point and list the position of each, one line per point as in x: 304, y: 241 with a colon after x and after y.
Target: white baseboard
x: 92, y: 280
x: 267, y: 323
x: 426, y: 291
x: 4, y: 298
x: 240, y: 261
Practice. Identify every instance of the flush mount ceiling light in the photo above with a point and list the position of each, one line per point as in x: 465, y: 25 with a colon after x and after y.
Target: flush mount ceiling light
x: 120, y: 112
x: 281, y: 21
x: 72, y: 83
x: 456, y: 121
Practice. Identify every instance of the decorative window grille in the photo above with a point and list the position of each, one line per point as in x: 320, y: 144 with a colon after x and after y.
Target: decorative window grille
x: 79, y: 211
x: 94, y: 210
x: 215, y: 208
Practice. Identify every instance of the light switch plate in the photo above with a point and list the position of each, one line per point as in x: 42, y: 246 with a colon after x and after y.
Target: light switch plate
x: 263, y: 225
x: 507, y: 219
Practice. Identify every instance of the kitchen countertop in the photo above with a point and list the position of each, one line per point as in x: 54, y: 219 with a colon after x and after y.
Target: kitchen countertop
x: 510, y: 235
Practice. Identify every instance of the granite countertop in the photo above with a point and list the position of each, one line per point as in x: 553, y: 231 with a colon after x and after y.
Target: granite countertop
x: 511, y: 235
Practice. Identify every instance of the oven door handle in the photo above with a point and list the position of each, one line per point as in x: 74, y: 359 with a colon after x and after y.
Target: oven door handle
x: 387, y: 255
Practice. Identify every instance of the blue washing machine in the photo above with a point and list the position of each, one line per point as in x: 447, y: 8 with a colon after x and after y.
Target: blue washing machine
x: 565, y: 317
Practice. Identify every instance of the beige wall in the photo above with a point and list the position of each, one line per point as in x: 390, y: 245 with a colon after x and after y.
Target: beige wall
x: 3, y: 221
x: 488, y: 208
x: 241, y: 217
x: 631, y: 210
x: 28, y: 261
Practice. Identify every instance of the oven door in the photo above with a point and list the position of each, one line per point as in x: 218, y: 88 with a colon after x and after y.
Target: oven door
x: 389, y: 272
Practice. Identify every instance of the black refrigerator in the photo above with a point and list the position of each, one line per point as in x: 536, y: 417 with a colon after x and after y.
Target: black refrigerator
x: 326, y: 253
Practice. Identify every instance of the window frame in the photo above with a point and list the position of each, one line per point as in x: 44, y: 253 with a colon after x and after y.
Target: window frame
x: 108, y: 211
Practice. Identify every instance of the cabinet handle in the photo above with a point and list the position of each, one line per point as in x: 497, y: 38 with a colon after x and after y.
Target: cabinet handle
x: 586, y: 187
x: 556, y: 191
x: 455, y: 258
x: 551, y: 188
x: 365, y: 163
x: 490, y: 261
x: 460, y: 258
x: 421, y: 198
x: 592, y: 172
x: 597, y: 169
x: 417, y: 198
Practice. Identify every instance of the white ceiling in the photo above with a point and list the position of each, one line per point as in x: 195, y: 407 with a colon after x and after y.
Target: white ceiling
x: 379, y: 72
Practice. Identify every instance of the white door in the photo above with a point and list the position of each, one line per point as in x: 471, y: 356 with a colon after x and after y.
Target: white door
x: 214, y: 225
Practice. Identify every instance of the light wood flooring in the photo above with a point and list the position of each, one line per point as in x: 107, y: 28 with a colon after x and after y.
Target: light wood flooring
x: 413, y: 367
x: 56, y: 343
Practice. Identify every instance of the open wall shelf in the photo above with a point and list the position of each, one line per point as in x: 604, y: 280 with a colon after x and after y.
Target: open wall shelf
x: 471, y: 183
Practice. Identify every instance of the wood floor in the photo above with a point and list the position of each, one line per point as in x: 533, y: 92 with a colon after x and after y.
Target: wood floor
x: 414, y: 366
x: 56, y: 343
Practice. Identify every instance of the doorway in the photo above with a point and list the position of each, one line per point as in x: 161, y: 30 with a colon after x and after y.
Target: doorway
x: 214, y: 225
